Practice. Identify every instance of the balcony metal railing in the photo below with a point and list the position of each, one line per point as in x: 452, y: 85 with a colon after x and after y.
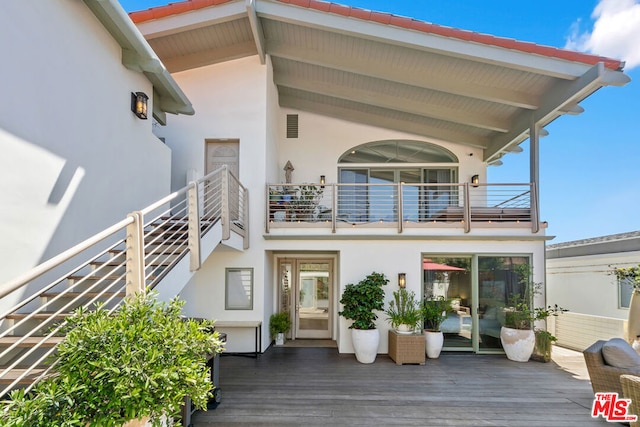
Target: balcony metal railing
x: 402, y: 205
x: 128, y: 257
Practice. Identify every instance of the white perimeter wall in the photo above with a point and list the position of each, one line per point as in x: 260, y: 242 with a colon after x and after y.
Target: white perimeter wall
x: 584, y: 284
x: 75, y: 159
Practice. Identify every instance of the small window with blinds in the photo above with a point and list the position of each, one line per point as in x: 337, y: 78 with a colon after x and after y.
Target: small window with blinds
x: 292, y: 125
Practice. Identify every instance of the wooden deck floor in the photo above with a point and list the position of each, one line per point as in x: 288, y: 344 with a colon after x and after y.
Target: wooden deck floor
x: 318, y: 386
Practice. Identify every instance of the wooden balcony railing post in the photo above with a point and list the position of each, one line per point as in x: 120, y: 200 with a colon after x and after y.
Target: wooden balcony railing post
x: 400, y: 211
x: 226, y: 217
x: 535, y: 217
x: 193, y: 214
x: 334, y: 207
x: 245, y: 217
x: 467, y: 208
x: 134, y: 277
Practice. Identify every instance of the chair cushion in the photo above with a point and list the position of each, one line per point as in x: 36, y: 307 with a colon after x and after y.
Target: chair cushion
x: 617, y: 352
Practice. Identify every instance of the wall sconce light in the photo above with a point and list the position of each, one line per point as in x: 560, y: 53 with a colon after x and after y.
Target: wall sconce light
x: 402, y: 280
x: 322, y: 181
x: 139, y: 104
x: 475, y: 180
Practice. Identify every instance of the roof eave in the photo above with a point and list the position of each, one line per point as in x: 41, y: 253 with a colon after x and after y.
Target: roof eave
x: 137, y: 55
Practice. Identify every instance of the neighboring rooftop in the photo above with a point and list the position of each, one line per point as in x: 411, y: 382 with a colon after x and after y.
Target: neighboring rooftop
x: 613, y: 243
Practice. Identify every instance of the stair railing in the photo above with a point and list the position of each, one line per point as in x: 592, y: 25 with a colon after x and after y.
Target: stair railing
x: 131, y: 256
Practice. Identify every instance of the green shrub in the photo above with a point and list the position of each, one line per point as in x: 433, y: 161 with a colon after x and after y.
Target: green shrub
x: 140, y: 361
x: 360, y: 300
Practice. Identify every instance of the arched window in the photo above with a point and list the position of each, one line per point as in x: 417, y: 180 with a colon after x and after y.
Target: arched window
x: 385, y: 163
x: 398, y: 151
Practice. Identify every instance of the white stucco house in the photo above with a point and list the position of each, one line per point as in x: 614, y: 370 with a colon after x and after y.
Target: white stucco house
x: 579, y: 277
x: 360, y: 141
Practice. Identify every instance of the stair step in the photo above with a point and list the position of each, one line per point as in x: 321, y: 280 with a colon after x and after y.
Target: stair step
x: 11, y: 375
x: 87, y: 294
x: 30, y: 341
x: 38, y: 316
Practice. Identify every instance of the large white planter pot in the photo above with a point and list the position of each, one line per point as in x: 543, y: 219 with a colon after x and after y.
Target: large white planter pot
x: 434, y: 343
x: 633, y: 319
x: 280, y: 338
x: 365, y: 344
x: 518, y: 344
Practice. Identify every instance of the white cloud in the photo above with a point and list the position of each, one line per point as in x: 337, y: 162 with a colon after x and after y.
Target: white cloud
x: 615, y: 32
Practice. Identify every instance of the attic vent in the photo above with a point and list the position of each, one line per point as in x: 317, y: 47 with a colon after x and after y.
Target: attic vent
x: 292, y: 125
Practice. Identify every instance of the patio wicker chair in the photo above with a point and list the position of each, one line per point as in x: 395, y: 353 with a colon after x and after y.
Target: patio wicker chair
x: 631, y: 390
x: 604, y: 378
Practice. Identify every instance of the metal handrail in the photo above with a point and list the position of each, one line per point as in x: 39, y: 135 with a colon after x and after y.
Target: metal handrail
x: 165, y: 238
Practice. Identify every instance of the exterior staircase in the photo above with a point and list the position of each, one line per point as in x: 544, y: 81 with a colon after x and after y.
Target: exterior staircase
x: 134, y: 255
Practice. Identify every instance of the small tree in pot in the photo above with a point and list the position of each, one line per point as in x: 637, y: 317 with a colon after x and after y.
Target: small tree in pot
x: 434, y: 312
x: 359, y: 302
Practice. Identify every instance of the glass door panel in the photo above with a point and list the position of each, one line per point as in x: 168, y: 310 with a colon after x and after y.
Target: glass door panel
x: 450, y: 277
x: 382, y: 198
x: 313, y: 307
x: 353, y: 199
x: 499, y: 280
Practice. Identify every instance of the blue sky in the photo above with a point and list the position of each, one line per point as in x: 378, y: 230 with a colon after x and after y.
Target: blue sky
x: 590, y: 164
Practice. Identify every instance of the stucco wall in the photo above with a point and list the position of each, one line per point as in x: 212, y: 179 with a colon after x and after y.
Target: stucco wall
x: 74, y: 157
x: 237, y: 99
x: 584, y: 284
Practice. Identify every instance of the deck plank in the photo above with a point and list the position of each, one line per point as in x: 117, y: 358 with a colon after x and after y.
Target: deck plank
x: 319, y: 386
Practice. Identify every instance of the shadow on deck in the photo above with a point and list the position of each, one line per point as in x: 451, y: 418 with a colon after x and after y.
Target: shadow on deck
x: 318, y: 386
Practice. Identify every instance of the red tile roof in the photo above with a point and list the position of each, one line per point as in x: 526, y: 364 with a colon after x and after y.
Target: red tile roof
x: 394, y: 20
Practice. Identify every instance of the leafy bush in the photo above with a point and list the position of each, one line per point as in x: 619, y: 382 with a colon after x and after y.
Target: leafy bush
x: 140, y: 361
x: 434, y: 312
x: 359, y: 301
x: 279, y: 323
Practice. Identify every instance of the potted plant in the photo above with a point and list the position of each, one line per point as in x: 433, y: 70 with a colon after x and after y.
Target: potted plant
x: 137, y: 363
x: 434, y: 312
x: 304, y: 201
x: 359, y: 302
x: 518, y: 334
x: 404, y: 312
x: 279, y: 324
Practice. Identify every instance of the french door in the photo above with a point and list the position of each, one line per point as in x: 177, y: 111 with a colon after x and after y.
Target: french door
x: 306, y: 293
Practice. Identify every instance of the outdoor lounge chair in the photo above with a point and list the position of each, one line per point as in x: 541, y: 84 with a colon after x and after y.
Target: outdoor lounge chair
x: 631, y: 390
x: 606, y: 367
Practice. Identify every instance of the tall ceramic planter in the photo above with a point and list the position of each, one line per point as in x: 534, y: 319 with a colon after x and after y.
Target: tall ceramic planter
x: 365, y: 344
x: 518, y: 344
x: 633, y: 321
x: 434, y: 343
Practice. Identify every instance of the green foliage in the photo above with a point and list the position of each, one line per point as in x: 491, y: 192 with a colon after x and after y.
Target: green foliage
x: 279, y: 323
x: 520, y: 312
x: 403, y: 309
x: 434, y: 312
x: 140, y: 361
x: 360, y: 300
x: 304, y: 200
x: 631, y: 274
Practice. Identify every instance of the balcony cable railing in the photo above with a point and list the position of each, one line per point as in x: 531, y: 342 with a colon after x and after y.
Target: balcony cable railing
x: 131, y: 256
x: 402, y: 204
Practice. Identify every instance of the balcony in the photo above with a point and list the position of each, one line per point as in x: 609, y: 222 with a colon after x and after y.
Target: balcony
x: 401, y: 207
